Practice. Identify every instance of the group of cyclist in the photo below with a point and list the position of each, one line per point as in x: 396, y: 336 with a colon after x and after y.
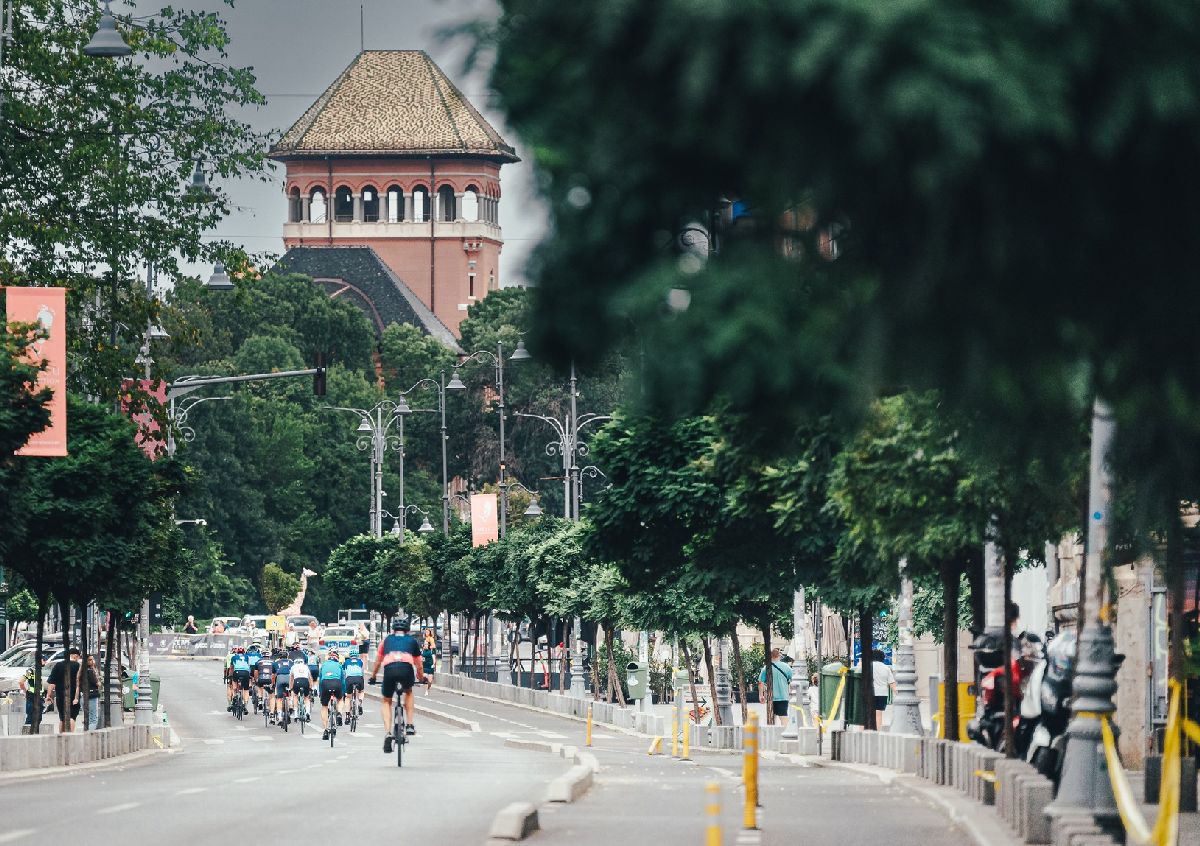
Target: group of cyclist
x: 282, y: 676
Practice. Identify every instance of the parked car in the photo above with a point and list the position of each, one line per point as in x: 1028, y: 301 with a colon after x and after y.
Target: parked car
x: 14, y: 667
x: 228, y: 622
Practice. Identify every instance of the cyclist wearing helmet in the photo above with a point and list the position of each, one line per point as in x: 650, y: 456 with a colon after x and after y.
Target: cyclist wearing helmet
x: 301, y: 681
x: 332, y: 687
x: 282, y: 669
x: 352, y: 671
x: 262, y: 677
x: 400, y: 657
x: 239, y: 673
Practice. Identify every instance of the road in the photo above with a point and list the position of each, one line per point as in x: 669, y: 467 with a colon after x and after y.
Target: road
x: 239, y: 777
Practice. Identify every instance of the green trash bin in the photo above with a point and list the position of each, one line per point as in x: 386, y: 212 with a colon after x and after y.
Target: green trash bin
x: 155, y: 686
x: 127, y: 694
x: 831, y: 677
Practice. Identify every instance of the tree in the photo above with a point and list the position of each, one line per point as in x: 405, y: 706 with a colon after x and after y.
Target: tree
x: 23, y: 412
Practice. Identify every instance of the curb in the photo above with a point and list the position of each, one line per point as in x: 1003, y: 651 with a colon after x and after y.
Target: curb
x: 984, y: 830
x: 513, y: 822
x: 135, y: 758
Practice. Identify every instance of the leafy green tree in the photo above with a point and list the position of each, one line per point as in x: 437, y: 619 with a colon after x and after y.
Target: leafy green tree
x: 23, y: 412
x: 278, y: 587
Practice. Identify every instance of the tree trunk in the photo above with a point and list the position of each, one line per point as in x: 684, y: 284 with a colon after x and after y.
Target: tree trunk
x: 595, y: 665
x: 949, y: 574
x: 741, y: 672
x: 1175, y: 590
x: 712, y: 680
x: 866, y: 642
x: 1007, y: 647
x: 108, y: 666
x: 687, y: 657
x: 84, y: 679
x: 975, y: 580
x: 36, y: 721
x: 64, y: 719
x: 614, y: 681
x: 769, y: 673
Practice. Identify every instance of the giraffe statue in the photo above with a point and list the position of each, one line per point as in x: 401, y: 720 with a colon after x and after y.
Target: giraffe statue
x: 293, y: 607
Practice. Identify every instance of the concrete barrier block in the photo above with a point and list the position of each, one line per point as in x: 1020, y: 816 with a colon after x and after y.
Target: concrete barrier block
x: 1187, y: 786
x: 570, y: 786
x: 514, y: 822
x: 1035, y: 793
x: 835, y: 745
x: 1064, y: 828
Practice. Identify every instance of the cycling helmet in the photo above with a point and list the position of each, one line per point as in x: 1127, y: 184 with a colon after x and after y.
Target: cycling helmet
x: 399, y: 625
x: 256, y: 646
x: 333, y: 653
x: 241, y: 650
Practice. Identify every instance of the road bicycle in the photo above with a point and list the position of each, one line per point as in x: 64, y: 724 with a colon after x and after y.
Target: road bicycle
x: 267, y: 711
x: 239, y: 704
x: 353, y: 717
x: 399, y: 726
x: 286, y: 717
x: 302, y: 711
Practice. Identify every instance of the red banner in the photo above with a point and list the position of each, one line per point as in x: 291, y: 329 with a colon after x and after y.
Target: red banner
x: 483, y: 519
x: 47, y: 307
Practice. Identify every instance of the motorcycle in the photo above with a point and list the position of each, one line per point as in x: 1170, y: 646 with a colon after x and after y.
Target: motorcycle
x: 1050, y: 708
x: 988, y: 726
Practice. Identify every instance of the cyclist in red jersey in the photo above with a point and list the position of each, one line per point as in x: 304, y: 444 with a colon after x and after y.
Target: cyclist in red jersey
x: 400, y: 657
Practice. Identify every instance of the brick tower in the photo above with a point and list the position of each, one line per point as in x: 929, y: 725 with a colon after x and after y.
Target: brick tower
x: 393, y: 187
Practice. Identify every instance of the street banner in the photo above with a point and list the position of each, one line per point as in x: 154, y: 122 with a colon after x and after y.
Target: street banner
x: 483, y: 519
x: 47, y: 307
x: 149, y: 434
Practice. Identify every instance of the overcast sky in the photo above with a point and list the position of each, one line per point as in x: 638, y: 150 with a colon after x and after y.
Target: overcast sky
x: 298, y: 47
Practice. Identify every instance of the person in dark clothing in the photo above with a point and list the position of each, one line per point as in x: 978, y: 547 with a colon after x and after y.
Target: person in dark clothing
x: 64, y: 689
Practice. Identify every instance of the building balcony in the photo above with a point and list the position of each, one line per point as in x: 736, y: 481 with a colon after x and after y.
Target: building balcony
x: 353, y: 230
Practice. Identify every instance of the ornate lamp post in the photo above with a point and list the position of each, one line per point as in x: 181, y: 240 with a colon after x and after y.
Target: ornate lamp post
x: 906, y: 713
x: 374, y: 436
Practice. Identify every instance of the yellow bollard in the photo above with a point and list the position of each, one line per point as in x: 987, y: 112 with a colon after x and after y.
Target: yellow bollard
x: 750, y: 772
x: 687, y: 740
x: 655, y: 747
x: 712, y: 810
x: 589, y: 725
x: 674, y: 735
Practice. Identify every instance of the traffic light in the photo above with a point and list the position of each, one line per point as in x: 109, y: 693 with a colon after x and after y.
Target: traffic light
x: 319, y: 376
x: 156, y: 609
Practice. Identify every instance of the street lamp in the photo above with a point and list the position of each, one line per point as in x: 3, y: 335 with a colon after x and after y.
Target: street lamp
x: 107, y: 42
x: 456, y: 384
x: 397, y: 530
x: 373, y: 432
x: 219, y: 281
x: 198, y: 522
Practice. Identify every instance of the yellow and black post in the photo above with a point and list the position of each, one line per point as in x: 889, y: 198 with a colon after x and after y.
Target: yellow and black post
x: 750, y: 772
x: 712, y: 814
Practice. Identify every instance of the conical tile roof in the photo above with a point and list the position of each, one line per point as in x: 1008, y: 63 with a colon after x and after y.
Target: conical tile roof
x: 392, y: 103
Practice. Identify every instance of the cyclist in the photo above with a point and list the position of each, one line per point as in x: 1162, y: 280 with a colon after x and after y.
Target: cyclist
x: 301, y: 682
x: 314, y: 662
x: 228, y: 675
x: 239, y: 673
x: 332, y: 687
x: 352, y: 671
x: 400, y: 657
x: 262, y: 678
x: 253, y: 656
x: 281, y: 668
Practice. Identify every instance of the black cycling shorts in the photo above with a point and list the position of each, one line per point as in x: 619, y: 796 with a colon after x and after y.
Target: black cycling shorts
x: 354, y: 683
x: 330, y: 689
x: 242, y: 678
x: 264, y: 681
x: 400, y: 673
x: 303, y: 687
x: 283, y: 684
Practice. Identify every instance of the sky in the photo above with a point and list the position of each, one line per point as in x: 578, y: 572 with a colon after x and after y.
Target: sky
x: 298, y: 47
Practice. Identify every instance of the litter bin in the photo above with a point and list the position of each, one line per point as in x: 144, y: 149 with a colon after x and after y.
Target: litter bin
x: 637, y: 679
x: 155, y: 687
x: 831, y: 678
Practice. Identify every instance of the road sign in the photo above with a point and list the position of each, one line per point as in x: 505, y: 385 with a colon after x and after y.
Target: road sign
x: 276, y: 623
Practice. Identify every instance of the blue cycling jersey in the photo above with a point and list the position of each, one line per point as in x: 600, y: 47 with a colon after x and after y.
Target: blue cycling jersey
x: 240, y: 664
x: 331, y: 671
x: 253, y: 657
x: 264, y: 667
x: 352, y: 666
x: 282, y: 667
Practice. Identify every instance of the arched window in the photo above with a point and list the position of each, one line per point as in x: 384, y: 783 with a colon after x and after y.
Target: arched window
x: 343, y: 205
x: 471, y: 204
x: 295, y: 206
x: 446, y: 210
x: 370, y: 204
x: 395, y: 204
x: 316, y: 206
x: 420, y: 203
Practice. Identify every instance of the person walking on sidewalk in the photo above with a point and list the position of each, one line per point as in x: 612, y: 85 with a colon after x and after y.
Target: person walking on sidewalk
x: 93, y: 697
x: 26, y: 686
x: 781, y: 679
x: 64, y: 690
x: 884, y: 680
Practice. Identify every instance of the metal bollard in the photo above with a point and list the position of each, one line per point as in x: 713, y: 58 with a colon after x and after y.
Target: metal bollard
x: 712, y: 810
x: 674, y: 735
x: 589, y: 725
x: 750, y: 773
x: 687, y: 740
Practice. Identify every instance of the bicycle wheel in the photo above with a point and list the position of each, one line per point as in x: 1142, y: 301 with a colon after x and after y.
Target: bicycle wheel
x: 301, y: 716
x: 399, y: 741
x: 332, y: 734
x: 239, y: 707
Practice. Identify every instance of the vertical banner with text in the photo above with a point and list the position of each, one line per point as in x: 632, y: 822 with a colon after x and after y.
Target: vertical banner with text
x: 149, y: 434
x: 483, y: 519
x: 47, y: 307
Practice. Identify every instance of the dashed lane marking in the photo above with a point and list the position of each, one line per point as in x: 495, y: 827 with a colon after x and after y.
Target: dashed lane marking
x: 214, y: 741
x: 553, y: 735
x: 261, y: 738
x: 191, y: 791
x: 247, y: 779
x: 116, y: 809
x: 13, y: 836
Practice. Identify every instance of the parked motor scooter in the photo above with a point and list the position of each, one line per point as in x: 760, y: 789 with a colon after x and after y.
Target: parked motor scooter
x: 988, y: 726
x: 1050, y: 706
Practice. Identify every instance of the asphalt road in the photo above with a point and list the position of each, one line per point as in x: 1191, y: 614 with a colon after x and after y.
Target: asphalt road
x: 230, y: 777
x: 233, y: 779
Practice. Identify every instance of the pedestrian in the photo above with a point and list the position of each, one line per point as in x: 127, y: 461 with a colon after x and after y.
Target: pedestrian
x: 814, y: 696
x: 313, y: 636
x: 26, y: 684
x: 93, y: 703
x: 884, y: 680
x: 781, y: 679
x: 190, y: 626
x: 63, y: 689
x: 218, y: 627
x: 427, y: 653
x: 364, y: 640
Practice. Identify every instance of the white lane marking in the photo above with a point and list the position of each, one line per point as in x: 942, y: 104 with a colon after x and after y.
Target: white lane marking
x: 261, y: 739
x: 343, y: 757
x: 287, y: 772
x: 502, y: 734
x: 458, y: 734
x: 247, y: 779
x: 312, y: 766
x: 214, y: 742
x: 12, y: 836
x: 116, y: 809
x: 191, y: 791
x: 552, y: 735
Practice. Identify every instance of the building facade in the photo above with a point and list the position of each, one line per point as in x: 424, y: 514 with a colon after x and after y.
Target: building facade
x: 393, y: 159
